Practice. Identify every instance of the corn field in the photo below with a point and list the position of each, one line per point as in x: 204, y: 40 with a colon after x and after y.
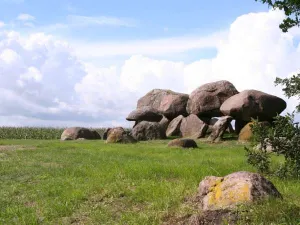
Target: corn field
x: 45, y: 133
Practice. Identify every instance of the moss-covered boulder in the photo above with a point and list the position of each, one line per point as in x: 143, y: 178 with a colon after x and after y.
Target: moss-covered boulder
x: 234, y: 189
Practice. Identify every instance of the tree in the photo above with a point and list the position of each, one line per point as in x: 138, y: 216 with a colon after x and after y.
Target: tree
x: 291, y: 86
x: 291, y: 9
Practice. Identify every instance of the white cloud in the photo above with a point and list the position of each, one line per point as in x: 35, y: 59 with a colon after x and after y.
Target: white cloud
x: 147, y: 47
x: 78, y: 20
x: 25, y: 17
x: 43, y: 82
x: 2, y: 24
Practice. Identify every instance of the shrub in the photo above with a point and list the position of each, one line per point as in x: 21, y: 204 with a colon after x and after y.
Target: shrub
x: 284, y: 140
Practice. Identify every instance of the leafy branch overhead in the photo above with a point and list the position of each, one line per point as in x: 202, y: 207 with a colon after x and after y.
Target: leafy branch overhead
x: 291, y: 9
x: 291, y: 86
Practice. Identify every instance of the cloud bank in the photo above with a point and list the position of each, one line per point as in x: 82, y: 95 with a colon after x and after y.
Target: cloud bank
x: 46, y: 81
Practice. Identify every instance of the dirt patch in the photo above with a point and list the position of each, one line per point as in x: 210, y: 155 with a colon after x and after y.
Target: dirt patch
x: 15, y: 147
x: 215, y: 217
x: 199, y: 217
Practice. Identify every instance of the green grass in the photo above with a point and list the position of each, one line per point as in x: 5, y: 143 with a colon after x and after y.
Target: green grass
x: 90, y: 182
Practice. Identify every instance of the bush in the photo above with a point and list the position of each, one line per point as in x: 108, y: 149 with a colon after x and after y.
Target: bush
x: 283, y: 138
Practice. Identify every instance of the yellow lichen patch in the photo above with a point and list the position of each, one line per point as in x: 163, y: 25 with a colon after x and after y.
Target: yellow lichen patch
x: 215, y: 192
x: 219, y: 198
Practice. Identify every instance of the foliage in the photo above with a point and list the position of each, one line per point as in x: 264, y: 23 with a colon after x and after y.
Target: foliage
x: 291, y: 86
x: 291, y: 9
x: 259, y: 159
x: 283, y: 138
x: 45, y: 133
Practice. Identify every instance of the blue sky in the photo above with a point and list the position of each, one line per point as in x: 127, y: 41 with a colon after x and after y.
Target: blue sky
x: 86, y: 63
x: 147, y: 19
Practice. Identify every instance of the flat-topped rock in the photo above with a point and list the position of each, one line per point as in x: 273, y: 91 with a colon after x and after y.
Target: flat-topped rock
x: 253, y: 104
x: 145, y: 113
x: 207, y: 99
x: 169, y: 103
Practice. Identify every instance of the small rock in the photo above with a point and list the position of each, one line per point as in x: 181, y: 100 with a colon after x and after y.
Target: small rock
x: 183, y: 143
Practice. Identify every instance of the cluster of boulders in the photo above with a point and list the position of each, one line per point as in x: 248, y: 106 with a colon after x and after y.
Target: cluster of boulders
x: 77, y: 133
x: 207, y: 110
x: 111, y: 135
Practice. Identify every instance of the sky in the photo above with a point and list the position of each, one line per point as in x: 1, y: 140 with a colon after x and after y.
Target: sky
x: 86, y: 63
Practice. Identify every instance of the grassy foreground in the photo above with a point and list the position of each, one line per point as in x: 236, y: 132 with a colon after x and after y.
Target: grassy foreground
x: 90, y: 182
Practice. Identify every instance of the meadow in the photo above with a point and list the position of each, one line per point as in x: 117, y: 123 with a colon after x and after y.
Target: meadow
x: 91, y: 182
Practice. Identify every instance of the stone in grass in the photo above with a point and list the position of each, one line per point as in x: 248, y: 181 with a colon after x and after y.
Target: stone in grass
x: 118, y: 135
x: 75, y: 133
x: 234, y: 189
x: 183, y: 143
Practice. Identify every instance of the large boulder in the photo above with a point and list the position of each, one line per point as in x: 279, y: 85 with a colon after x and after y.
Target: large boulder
x: 74, y: 133
x: 96, y: 134
x: 211, y: 124
x: 239, y: 125
x: 145, y: 113
x: 183, y: 143
x: 193, y: 127
x: 117, y: 135
x: 207, y: 99
x: 144, y: 131
x: 219, y: 128
x: 174, y: 127
x: 246, y: 133
x: 234, y: 189
x: 253, y: 104
x: 171, y: 104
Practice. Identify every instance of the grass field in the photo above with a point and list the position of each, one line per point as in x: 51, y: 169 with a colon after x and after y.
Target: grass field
x: 90, y: 182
